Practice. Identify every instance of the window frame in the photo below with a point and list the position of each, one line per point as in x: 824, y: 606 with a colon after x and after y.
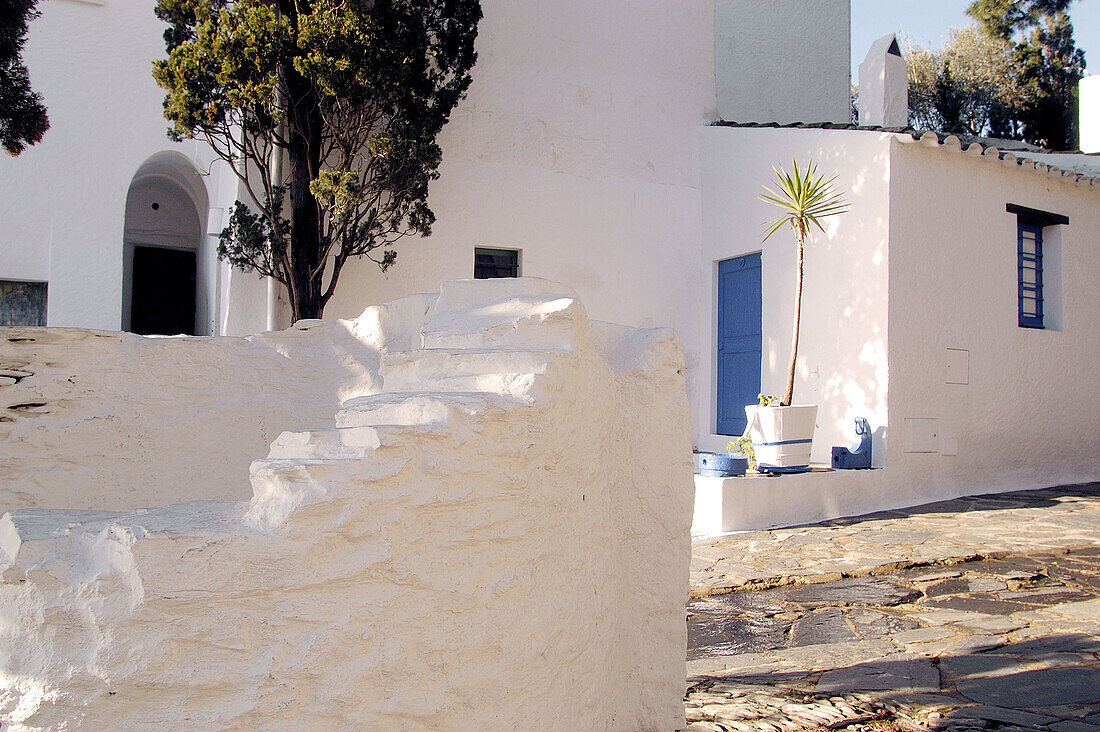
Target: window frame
x: 1031, y: 221
x: 40, y: 298
x: 514, y: 267
x: 1027, y: 292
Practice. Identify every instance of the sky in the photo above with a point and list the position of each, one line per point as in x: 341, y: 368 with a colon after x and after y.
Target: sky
x: 928, y: 21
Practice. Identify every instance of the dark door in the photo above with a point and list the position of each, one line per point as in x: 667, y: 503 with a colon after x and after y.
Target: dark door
x: 739, y: 340
x: 163, y: 295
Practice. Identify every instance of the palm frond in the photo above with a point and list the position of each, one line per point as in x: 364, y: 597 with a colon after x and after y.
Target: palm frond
x: 804, y: 196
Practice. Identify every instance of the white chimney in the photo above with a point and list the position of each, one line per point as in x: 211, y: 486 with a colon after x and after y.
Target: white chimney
x: 1089, y: 98
x: 884, y: 85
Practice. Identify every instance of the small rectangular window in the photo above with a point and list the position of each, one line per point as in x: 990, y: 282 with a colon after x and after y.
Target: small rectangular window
x: 1032, y: 271
x: 1029, y: 253
x: 22, y: 303
x: 493, y: 263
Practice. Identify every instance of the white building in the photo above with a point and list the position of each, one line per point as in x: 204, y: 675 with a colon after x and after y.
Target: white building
x: 585, y: 152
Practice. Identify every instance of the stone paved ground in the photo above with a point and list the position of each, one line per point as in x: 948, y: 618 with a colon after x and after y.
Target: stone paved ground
x: 974, y: 614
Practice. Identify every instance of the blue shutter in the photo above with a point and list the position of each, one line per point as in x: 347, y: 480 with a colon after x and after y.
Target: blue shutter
x: 1029, y: 257
x: 739, y: 340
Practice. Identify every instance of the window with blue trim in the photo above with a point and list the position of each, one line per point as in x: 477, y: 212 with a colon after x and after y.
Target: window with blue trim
x: 1030, y: 270
x: 1029, y: 258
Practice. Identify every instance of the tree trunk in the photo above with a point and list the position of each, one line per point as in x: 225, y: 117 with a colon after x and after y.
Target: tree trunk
x: 304, y: 160
x: 788, y: 395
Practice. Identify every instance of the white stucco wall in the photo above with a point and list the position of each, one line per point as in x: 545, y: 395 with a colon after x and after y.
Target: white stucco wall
x: 577, y: 144
x: 1030, y: 414
x: 843, y: 340
x: 62, y: 202
x: 488, y: 543
x: 1090, y: 113
x: 783, y: 61
x: 120, y: 421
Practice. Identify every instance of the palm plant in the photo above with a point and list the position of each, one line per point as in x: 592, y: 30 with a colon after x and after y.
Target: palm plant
x: 804, y: 198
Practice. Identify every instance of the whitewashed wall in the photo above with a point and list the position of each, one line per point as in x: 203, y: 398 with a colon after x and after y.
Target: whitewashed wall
x: 1090, y: 113
x: 1030, y: 414
x: 489, y: 543
x: 62, y: 202
x: 843, y: 339
x: 577, y: 144
x: 783, y: 60
x: 121, y: 421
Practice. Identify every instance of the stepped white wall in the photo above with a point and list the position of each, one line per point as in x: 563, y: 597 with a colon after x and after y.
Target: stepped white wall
x: 489, y: 542
x: 119, y: 421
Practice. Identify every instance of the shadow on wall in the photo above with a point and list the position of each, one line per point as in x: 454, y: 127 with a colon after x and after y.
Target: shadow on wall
x: 843, y: 347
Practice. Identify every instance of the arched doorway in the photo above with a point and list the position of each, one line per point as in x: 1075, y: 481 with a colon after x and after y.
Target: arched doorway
x: 165, y: 215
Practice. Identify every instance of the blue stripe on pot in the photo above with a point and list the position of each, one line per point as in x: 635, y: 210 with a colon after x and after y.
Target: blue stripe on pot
x: 720, y: 464
x: 785, y: 442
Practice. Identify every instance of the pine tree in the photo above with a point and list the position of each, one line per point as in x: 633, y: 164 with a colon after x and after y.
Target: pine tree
x: 1048, y: 65
x: 349, y: 94
x: 23, y: 118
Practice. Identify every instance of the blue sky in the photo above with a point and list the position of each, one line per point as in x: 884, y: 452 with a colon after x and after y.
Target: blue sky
x: 927, y: 23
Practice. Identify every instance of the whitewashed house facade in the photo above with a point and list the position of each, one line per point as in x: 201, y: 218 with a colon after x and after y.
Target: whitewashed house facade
x: 586, y: 152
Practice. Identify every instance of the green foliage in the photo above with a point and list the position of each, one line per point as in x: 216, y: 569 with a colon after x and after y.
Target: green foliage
x: 349, y: 94
x: 766, y: 400
x: 803, y: 199
x: 1013, y: 76
x: 967, y: 87
x: 23, y: 119
x: 743, y: 446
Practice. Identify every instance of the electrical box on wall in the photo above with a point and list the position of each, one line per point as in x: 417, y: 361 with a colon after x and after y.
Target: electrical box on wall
x: 923, y: 434
x: 958, y: 366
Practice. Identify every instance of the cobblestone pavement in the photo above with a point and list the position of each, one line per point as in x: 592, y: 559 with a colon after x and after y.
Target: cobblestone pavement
x: 973, y: 614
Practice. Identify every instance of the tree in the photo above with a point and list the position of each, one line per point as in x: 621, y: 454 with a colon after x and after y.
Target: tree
x: 804, y: 198
x: 23, y: 118
x: 1048, y: 65
x: 966, y: 87
x: 349, y: 94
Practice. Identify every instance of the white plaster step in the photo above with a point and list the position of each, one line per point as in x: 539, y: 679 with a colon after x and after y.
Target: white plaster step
x: 334, y: 443
x: 498, y: 371
x: 422, y: 409
x: 536, y: 321
x: 279, y: 485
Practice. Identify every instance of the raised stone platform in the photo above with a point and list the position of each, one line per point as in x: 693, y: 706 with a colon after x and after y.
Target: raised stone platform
x: 487, y: 526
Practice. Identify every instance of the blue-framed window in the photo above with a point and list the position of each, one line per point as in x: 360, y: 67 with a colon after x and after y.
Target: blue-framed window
x: 1029, y: 258
x: 1030, y: 223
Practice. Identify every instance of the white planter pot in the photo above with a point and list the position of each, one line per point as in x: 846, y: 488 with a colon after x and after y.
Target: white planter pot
x: 782, y: 436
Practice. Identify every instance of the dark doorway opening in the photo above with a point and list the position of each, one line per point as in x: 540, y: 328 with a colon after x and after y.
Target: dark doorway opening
x: 163, y: 292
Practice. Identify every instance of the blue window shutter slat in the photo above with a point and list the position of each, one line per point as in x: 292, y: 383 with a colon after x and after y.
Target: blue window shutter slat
x: 1029, y: 274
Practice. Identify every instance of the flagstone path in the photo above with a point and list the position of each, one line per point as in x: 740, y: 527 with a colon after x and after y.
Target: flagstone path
x: 974, y: 614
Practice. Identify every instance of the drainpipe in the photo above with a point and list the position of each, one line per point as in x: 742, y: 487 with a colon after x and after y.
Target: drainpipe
x: 276, y: 179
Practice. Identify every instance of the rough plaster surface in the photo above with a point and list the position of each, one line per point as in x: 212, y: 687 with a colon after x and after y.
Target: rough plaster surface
x: 99, y: 420
x: 498, y: 539
x: 783, y: 61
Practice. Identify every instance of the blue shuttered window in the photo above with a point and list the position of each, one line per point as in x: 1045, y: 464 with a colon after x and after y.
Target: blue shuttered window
x: 1030, y: 223
x: 1029, y: 257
